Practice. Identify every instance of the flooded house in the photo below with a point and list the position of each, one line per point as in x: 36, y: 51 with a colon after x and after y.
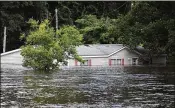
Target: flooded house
x: 110, y: 55
x: 95, y: 55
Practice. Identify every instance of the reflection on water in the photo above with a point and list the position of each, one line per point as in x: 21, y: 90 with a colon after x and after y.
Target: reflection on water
x: 95, y: 87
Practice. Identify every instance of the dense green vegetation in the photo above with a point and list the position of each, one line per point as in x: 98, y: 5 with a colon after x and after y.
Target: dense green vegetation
x: 150, y: 24
x: 15, y: 14
x: 45, y: 48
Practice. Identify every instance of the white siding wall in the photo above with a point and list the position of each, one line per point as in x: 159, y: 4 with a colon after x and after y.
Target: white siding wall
x: 12, y: 58
x: 99, y: 61
x: 71, y: 62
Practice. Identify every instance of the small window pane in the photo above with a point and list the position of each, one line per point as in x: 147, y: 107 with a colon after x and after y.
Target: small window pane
x: 118, y: 61
x: 113, y: 61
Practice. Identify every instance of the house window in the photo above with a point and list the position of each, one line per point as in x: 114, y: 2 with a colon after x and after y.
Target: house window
x: 115, y: 61
x: 85, y: 63
x: 134, y: 61
x: 118, y: 61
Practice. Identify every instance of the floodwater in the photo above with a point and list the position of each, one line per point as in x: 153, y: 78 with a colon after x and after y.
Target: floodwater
x: 90, y: 87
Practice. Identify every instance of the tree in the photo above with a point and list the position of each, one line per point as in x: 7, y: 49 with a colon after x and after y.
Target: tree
x: 14, y: 14
x: 69, y: 11
x: 95, y: 30
x: 45, y: 49
x: 154, y: 24
x: 150, y: 24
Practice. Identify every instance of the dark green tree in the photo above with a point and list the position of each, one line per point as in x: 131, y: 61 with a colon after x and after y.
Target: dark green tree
x: 149, y: 24
x: 14, y: 14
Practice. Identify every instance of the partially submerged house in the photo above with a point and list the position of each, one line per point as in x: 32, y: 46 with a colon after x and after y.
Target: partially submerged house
x: 94, y: 55
x: 105, y: 55
x: 111, y: 54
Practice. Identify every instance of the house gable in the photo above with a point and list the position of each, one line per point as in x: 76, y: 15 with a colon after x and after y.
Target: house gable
x: 125, y: 56
x: 125, y: 51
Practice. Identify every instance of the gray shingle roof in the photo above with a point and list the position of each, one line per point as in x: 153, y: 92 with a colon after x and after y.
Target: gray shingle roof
x: 98, y: 49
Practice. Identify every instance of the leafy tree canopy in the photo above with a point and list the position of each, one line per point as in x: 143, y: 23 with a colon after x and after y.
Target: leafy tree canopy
x: 45, y: 49
x: 95, y: 30
x: 149, y: 24
x: 14, y: 14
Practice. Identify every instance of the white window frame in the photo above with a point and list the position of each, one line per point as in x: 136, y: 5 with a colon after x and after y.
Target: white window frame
x: 115, y: 61
x: 120, y: 62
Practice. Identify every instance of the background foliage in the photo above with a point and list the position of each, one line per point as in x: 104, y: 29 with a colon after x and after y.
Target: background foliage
x: 147, y: 23
x: 15, y: 14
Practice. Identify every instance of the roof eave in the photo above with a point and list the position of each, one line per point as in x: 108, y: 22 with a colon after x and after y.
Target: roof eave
x: 10, y: 52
